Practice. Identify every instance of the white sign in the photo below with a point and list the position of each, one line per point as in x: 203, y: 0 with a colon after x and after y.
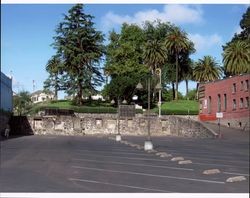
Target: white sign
x: 219, y: 115
x: 205, y: 104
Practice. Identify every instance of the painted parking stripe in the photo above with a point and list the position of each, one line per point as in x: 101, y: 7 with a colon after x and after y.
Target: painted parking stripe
x: 149, y: 175
x: 133, y: 164
x: 208, y: 159
x: 119, y: 153
x: 226, y: 165
x: 228, y: 173
x: 133, y: 158
x: 118, y: 185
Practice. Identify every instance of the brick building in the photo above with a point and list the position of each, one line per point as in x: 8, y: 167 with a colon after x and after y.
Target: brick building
x: 229, y: 96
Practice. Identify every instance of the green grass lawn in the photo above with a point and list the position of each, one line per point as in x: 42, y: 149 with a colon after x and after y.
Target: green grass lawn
x: 180, y: 107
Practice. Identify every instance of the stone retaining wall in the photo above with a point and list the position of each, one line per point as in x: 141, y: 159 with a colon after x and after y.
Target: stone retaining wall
x: 90, y: 124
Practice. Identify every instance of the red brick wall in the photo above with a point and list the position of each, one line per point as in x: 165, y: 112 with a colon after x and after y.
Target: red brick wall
x: 222, y: 87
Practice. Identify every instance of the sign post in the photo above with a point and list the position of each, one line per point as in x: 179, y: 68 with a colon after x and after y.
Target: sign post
x: 219, y: 115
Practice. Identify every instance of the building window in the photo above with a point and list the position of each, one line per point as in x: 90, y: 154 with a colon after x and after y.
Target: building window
x: 241, y: 85
x: 219, y: 103
x: 247, y: 85
x: 209, y: 104
x: 234, y: 88
x: 225, y: 102
x: 234, y: 104
x: 241, y: 103
x: 247, y: 102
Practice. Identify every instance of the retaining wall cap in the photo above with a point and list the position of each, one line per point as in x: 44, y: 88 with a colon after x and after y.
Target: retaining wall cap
x: 236, y: 179
x: 177, y: 159
x: 211, y: 171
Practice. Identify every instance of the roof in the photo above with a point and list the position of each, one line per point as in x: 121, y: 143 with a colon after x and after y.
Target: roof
x: 229, y: 77
x: 42, y: 91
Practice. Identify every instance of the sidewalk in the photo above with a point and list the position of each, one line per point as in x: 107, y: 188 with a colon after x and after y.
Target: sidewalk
x: 228, y: 133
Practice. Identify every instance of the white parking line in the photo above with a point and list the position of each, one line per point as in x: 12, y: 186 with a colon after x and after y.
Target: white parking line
x: 118, y: 185
x: 228, y: 173
x: 133, y: 158
x: 119, y: 153
x: 227, y: 165
x: 149, y: 175
x: 209, y: 159
x: 133, y: 164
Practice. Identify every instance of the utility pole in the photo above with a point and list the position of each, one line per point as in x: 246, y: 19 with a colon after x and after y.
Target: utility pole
x: 33, y: 82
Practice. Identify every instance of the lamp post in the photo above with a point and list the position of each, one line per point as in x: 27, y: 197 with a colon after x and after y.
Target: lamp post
x: 118, y: 137
x: 158, y: 86
x: 148, y: 145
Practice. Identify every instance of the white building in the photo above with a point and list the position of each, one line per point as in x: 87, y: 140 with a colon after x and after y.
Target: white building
x: 41, y: 96
x: 97, y: 97
x: 6, y: 93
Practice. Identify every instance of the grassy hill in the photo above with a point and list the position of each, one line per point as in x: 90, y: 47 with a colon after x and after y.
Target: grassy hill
x: 180, y: 107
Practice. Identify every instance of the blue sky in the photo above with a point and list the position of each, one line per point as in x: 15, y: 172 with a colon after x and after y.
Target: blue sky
x: 27, y: 31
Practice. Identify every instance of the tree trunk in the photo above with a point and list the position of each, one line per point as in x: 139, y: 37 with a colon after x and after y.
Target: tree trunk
x: 79, y: 94
x: 56, y: 88
x: 173, y: 90
x: 176, y: 76
x: 186, y: 88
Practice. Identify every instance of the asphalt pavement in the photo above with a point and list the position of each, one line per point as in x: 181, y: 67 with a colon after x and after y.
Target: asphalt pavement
x: 100, y: 164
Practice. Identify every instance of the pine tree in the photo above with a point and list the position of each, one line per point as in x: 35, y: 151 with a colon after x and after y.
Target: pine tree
x: 81, y: 48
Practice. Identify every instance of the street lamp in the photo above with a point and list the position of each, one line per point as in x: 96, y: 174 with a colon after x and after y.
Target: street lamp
x: 158, y: 87
x: 148, y: 145
x: 118, y: 137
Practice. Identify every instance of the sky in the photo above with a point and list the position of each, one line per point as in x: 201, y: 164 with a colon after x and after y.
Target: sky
x: 27, y: 32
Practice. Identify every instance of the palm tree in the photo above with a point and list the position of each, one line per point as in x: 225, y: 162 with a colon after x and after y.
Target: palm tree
x: 236, y: 57
x: 206, y: 69
x: 154, y: 54
x: 53, y: 67
x: 177, y: 42
x: 188, y: 74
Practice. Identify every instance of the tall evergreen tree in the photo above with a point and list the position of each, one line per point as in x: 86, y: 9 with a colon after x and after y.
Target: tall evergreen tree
x: 81, y: 48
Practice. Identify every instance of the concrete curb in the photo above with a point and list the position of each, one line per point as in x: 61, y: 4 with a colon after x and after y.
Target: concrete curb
x: 211, y: 171
x: 236, y: 179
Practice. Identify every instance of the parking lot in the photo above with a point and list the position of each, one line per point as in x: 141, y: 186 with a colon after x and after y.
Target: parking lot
x: 100, y: 164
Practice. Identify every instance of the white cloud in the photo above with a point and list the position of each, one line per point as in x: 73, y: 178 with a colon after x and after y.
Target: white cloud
x: 178, y: 14
x: 205, y: 42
